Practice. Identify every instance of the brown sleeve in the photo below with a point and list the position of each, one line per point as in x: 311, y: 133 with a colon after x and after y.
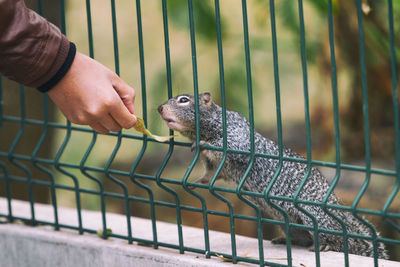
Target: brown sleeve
x: 32, y: 49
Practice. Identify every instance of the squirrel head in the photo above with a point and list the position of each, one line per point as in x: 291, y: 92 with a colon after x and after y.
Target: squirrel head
x: 179, y: 112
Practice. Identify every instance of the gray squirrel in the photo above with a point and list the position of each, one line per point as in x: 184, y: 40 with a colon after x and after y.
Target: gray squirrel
x: 179, y: 113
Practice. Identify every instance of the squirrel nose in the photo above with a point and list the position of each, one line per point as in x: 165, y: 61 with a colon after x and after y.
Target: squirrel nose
x: 160, y: 108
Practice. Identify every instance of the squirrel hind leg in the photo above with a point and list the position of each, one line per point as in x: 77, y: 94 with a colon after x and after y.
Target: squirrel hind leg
x: 280, y: 240
x: 322, y: 247
x: 298, y: 237
x: 303, y: 240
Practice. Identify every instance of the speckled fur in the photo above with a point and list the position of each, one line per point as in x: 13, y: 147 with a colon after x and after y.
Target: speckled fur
x: 287, y: 183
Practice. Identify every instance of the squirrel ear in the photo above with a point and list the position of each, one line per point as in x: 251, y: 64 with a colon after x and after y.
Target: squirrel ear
x: 206, y: 98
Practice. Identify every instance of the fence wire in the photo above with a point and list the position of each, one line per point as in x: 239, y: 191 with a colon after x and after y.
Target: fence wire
x: 16, y: 169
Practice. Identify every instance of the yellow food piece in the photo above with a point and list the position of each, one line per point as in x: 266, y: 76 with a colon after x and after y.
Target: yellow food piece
x: 139, y: 126
x: 223, y: 258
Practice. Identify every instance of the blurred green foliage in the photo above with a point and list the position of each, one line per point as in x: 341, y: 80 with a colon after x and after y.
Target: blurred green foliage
x: 318, y: 59
x: 204, y: 17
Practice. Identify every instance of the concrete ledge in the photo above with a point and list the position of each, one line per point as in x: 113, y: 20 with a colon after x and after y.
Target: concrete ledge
x: 42, y: 246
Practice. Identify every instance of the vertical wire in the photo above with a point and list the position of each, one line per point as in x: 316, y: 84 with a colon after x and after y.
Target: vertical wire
x: 82, y: 163
x: 90, y: 28
x: 308, y: 131
x: 63, y: 20
x: 171, y: 142
x: 82, y: 166
x: 224, y: 134
x: 122, y: 185
x: 40, y: 143
x: 279, y: 128
x: 396, y: 116
x: 119, y: 140
x: 252, y: 145
x: 366, y: 132
x: 115, y: 37
x: 167, y: 52
x: 197, y: 123
x: 169, y: 90
x: 8, y: 191
x: 147, y: 189
x: 17, y: 163
x: 43, y: 169
x: 84, y: 171
x: 1, y: 101
x: 2, y: 164
x: 65, y: 142
x: 70, y: 175
x: 144, y: 110
x: 40, y: 7
x: 337, y: 132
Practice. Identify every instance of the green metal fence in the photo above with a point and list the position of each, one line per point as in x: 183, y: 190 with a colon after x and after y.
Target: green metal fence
x: 17, y: 168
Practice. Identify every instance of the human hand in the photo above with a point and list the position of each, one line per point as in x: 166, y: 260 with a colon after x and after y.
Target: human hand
x: 91, y: 94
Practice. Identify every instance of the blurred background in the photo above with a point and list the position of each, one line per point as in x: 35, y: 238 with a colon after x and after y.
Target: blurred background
x: 154, y: 82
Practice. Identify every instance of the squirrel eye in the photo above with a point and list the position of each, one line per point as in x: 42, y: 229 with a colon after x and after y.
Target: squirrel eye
x: 183, y: 100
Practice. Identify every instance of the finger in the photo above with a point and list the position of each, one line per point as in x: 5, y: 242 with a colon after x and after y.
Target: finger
x: 126, y: 93
x: 122, y: 116
x: 110, y: 124
x: 99, y: 128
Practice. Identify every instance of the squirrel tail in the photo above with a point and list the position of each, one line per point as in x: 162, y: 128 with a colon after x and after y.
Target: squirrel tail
x: 360, y: 246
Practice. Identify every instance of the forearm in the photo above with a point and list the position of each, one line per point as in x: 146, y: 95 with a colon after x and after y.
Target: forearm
x: 32, y: 50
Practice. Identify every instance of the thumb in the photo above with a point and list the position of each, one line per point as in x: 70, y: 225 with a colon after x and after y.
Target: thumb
x: 127, y: 95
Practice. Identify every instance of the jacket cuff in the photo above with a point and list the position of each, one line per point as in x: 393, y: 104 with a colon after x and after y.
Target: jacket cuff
x: 61, y: 71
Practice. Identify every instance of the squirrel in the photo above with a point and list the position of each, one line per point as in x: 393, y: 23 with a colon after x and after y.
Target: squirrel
x: 179, y: 114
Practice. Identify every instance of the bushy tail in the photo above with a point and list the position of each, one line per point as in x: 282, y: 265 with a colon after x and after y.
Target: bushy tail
x: 359, y: 246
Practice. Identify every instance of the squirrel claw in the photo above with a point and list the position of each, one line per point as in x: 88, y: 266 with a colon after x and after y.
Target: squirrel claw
x: 191, y: 187
x: 322, y: 247
x: 279, y: 241
x: 193, y: 148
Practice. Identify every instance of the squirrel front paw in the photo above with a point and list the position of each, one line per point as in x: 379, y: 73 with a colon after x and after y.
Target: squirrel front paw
x: 202, y: 150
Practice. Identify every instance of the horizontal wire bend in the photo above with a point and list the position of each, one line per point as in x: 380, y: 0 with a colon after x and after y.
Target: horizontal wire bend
x: 153, y: 193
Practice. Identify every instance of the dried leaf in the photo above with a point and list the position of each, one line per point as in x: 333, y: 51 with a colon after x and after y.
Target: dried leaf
x: 139, y: 126
x: 223, y: 258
